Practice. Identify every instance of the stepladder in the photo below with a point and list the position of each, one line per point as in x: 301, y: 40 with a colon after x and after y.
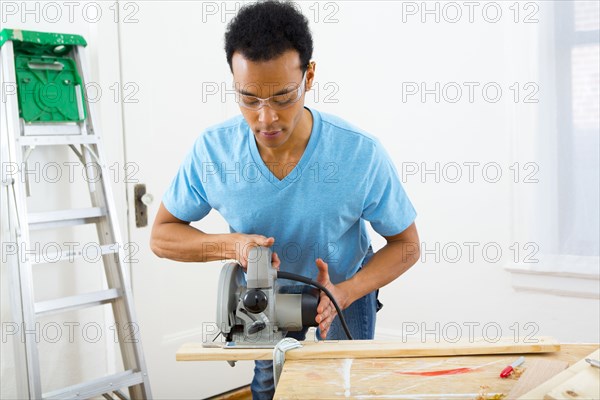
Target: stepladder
x: 62, y: 250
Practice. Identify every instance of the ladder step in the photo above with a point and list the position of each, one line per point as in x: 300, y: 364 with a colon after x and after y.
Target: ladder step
x: 61, y: 255
x: 55, y: 140
x: 97, y: 387
x: 61, y: 218
x: 51, y: 129
x: 44, y: 308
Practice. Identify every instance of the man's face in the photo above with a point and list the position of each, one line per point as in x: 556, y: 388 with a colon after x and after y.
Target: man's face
x: 272, y: 128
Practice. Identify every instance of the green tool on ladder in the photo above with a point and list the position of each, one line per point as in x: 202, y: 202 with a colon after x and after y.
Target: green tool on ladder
x: 42, y: 77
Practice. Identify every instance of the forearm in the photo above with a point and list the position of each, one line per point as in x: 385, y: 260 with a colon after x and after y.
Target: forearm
x: 386, y: 265
x: 181, y: 242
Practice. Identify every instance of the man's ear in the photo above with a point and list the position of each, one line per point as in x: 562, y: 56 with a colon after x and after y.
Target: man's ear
x: 310, y: 75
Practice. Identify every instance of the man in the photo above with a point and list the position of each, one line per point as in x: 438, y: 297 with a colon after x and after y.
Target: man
x: 292, y: 178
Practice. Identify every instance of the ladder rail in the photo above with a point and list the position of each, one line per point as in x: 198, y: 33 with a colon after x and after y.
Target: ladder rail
x: 109, y: 232
x: 25, y: 308
x: 8, y: 224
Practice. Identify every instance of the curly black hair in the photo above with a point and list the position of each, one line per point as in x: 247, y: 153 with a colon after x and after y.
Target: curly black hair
x: 263, y: 31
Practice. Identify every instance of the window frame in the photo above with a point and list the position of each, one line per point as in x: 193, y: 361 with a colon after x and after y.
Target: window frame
x: 561, y: 274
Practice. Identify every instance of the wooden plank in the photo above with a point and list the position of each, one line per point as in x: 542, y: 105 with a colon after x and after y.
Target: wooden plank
x: 536, y: 373
x: 373, y: 349
x: 540, y: 391
x: 383, y: 378
x: 584, y: 385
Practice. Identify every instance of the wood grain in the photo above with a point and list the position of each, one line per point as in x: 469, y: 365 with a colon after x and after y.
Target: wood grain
x: 383, y: 378
x: 540, y: 391
x: 373, y: 349
x: 536, y: 373
x: 584, y: 385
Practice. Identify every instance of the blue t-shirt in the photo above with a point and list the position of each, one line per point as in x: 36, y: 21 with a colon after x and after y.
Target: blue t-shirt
x: 344, y: 178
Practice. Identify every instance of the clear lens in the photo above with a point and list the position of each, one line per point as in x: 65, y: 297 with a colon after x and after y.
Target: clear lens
x: 279, y: 102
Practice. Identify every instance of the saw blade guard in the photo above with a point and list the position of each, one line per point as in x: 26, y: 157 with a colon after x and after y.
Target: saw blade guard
x: 231, y: 284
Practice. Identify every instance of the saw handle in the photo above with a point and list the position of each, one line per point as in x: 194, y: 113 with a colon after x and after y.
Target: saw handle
x: 260, y: 273
x: 303, y: 279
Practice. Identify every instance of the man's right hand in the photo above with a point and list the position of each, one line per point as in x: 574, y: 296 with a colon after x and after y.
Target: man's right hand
x: 246, y: 242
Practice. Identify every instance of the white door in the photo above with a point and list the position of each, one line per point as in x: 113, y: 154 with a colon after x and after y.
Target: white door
x: 170, y: 59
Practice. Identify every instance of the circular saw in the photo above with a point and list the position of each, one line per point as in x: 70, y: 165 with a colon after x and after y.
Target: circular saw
x: 253, y: 311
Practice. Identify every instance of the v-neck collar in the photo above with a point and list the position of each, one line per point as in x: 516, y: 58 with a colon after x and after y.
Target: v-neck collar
x: 295, y: 173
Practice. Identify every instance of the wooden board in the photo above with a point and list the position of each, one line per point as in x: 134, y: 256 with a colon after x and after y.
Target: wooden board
x: 536, y: 373
x: 584, y: 385
x: 382, y: 378
x: 373, y: 349
x: 540, y: 391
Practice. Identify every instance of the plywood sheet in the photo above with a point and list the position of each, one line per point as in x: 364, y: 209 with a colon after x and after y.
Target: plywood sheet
x: 536, y: 373
x: 584, y: 385
x: 386, y: 378
x: 540, y: 391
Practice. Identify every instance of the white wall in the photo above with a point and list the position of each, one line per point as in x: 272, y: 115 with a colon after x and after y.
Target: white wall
x: 366, y: 55
x: 371, y: 55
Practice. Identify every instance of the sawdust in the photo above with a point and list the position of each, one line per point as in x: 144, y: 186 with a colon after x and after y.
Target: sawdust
x: 517, y: 372
x: 483, y: 394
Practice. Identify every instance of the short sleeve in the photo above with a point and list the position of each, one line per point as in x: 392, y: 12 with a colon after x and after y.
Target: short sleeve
x: 186, y: 197
x: 386, y: 205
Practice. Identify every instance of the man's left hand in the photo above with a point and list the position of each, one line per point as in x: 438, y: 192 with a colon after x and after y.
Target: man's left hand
x: 326, y: 311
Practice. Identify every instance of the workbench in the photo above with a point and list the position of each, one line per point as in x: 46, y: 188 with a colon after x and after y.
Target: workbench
x: 396, y: 370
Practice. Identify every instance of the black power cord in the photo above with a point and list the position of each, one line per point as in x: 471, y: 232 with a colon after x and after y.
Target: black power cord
x: 303, y: 279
